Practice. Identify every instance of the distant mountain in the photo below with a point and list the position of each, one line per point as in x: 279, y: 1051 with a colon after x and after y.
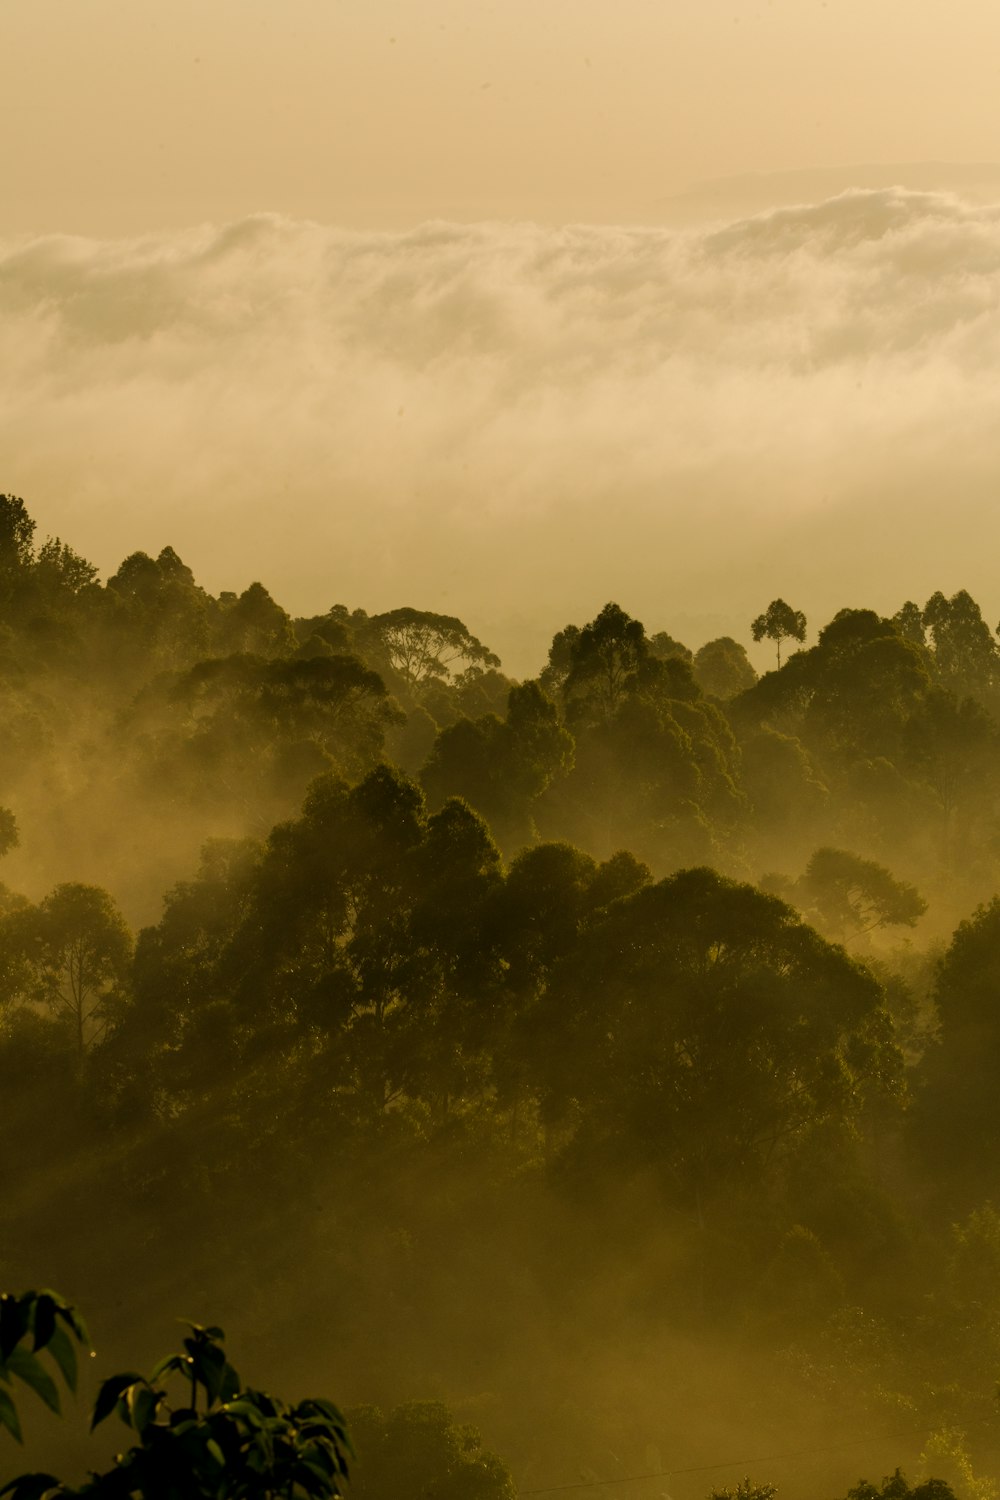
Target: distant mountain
x: 757, y: 191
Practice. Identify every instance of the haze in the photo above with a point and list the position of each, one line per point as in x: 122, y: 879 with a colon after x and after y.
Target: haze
x: 690, y: 419
x: 573, y: 1012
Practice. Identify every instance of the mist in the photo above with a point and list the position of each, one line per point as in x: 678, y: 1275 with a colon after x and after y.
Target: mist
x: 511, y: 422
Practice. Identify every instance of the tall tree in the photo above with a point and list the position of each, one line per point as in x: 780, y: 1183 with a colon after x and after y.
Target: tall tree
x: 778, y: 623
x: 603, y: 657
x: 84, y: 948
x: 424, y: 647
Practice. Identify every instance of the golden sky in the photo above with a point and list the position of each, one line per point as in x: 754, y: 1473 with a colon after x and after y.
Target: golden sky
x: 691, y: 402
x: 125, y: 115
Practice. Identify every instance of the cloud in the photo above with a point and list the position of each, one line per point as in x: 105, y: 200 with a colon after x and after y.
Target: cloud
x: 514, y: 423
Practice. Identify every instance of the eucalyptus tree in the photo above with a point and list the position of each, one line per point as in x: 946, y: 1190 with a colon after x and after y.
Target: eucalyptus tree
x: 778, y: 623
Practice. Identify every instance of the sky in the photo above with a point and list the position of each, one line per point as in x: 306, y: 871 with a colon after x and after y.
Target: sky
x: 507, y: 309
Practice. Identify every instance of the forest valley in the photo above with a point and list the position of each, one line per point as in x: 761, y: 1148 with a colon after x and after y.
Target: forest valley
x: 608, y: 1060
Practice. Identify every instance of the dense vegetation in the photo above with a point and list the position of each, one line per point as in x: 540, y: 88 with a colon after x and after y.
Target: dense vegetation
x: 549, y: 1048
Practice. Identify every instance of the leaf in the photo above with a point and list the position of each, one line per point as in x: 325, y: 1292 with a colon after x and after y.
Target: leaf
x: 60, y: 1346
x: 141, y: 1403
x: 246, y: 1410
x: 30, y: 1486
x: 27, y: 1368
x: 9, y: 1417
x: 229, y: 1386
x: 70, y: 1316
x: 167, y: 1366
x: 13, y: 1323
x: 44, y: 1320
x: 209, y: 1368
x: 109, y: 1395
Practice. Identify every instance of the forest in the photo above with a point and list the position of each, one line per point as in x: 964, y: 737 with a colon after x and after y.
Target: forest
x: 589, y: 1082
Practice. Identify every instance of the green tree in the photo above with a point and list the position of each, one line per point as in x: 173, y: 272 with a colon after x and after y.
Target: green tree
x: 255, y: 625
x: 17, y: 531
x: 423, y: 647
x: 964, y: 652
x: 848, y: 896
x: 722, y: 669
x: 956, y: 1118
x: 603, y: 656
x: 705, y: 1031
x: 502, y: 766
x: 778, y: 623
x: 746, y: 1489
x: 419, y: 1449
x: 896, y: 1487
x: 82, y: 952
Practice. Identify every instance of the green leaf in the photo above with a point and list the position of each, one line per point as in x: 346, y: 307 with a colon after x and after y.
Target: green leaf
x: 245, y: 1409
x: 60, y: 1346
x: 30, y: 1486
x: 43, y: 1321
x: 208, y: 1368
x: 9, y: 1417
x: 141, y: 1403
x: 13, y: 1323
x: 229, y: 1386
x: 168, y: 1365
x: 27, y: 1368
x: 71, y: 1317
x: 110, y: 1393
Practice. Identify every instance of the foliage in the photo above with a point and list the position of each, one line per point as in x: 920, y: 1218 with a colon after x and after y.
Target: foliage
x: 848, y: 895
x: 82, y: 950
x: 30, y: 1324
x: 238, y: 1444
x: 895, y: 1487
x: 778, y: 623
x: 746, y: 1489
x: 419, y: 1449
x: 722, y: 669
x: 423, y: 647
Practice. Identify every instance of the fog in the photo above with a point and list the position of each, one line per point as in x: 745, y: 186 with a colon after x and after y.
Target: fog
x: 512, y: 422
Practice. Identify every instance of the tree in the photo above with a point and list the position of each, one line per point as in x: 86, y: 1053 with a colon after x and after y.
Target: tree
x: 896, y: 1487
x: 502, y: 766
x: 61, y: 571
x: 17, y: 531
x: 82, y: 957
x: 700, y: 1028
x: 721, y: 668
x: 256, y: 625
x: 779, y: 623
x: 964, y: 652
x: 9, y: 837
x: 422, y: 647
x: 746, y: 1489
x: 850, y: 895
x: 603, y: 657
x: 419, y: 1449
x: 957, y: 1104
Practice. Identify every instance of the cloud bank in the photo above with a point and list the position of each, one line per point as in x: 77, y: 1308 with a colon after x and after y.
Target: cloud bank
x: 515, y: 423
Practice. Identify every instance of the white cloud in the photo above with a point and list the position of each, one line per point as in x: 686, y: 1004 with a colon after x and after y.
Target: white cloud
x: 515, y: 423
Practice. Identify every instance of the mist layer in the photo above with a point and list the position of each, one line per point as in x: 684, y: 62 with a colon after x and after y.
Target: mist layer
x: 515, y: 423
